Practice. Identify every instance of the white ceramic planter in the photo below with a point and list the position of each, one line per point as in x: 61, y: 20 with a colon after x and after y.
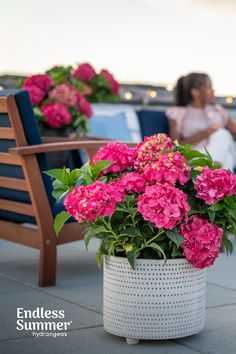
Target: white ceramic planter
x: 154, y: 301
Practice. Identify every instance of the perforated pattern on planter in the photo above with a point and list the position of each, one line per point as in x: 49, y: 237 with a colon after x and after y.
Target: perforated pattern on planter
x: 154, y: 301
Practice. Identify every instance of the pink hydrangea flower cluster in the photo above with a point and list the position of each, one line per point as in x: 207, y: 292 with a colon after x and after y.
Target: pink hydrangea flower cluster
x: 64, y: 93
x: 148, y: 150
x: 36, y: 94
x: 84, y: 72
x: 168, y: 167
x: 84, y: 106
x: 87, y: 203
x: 56, y: 114
x: 118, y: 153
x: 37, y: 86
x: 132, y: 181
x: 115, y: 87
x: 202, y: 241
x: 214, y: 185
x: 163, y: 205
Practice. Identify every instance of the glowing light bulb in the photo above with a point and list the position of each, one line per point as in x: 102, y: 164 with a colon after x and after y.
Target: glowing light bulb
x: 229, y: 99
x: 169, y: 87
x: 153, y: 94
x: 128, y: 95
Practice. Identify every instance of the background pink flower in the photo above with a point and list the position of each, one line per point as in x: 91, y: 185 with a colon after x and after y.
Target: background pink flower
x: 168, y: 167
x: 84, y: 106
x: 64, y: 93
x: 43, y: 81
x: 56, y: 114
x: 119, y: 153
x: 214, y: 185
x: 163, y: 205
x: 36, y: 94
x: 202, y: 241
x: 84, y: 72
x: 87, y: 203
x: 148, y: 150
x: 115, y: 87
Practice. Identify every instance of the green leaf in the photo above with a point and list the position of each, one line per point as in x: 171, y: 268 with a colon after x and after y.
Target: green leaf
x: 60, y: 174
x: 211, y: 215
x: 100, y: 166
x: 93, y: 232
x: 60, y: 192
x: 227, y: 244
x: 175, y: 237
x: 100, y: 253
x: 157, y: 248
x: 216, y: 207
x: 60, y: 220
x: 132, y: 232
x: 200, y: 161
x: 132, y: 255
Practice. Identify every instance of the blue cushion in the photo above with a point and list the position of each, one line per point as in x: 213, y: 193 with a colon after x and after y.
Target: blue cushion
x: 32, y: 135
x: 152, y: 122
x: 111, y: 127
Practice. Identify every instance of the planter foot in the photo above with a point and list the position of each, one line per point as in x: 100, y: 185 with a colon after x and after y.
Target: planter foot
x: 132, y: 341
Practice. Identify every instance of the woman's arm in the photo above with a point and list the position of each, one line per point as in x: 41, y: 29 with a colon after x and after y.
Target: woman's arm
x: 231, y: 126
x: 194, y: 139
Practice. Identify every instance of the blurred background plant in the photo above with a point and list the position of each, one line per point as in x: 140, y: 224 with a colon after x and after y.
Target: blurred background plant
x: 62, y: 96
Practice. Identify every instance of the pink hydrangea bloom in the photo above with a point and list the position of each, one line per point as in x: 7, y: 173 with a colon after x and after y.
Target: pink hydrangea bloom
x: 148, y: 150
x: 87, y: 203
x: 86, y: 89
x: 169, y: 167
x: 115, y: 87
x: 214, y: 185
x: 43, y: 81
x: 84, y: 106
x: 56, y: 114
x: 163, y: 205
x: 202, y: 241
x: 117, y: 189
x: 36, y: 94
x: 119, y: 153
x: 84, y: 72
x: 134, y: 182
x: 64, y: 93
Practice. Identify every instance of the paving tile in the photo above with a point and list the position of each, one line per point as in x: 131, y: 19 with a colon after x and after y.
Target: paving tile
x: 91, y: 341
x: 11, y: 286
x: 219, y: 334
x: 30, y: 300
x: 218, y: 296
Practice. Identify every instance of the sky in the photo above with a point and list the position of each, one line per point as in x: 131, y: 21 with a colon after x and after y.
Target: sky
x: 141, y: 41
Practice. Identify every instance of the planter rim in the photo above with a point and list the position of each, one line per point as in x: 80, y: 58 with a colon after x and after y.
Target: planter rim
x: 146, y: 261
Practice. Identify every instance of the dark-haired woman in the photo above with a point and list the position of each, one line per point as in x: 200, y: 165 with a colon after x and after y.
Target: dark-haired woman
x: 197, y: 120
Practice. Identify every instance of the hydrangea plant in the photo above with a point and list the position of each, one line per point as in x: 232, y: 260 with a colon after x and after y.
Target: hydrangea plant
x: 61, y: 97
x: 158, y: 200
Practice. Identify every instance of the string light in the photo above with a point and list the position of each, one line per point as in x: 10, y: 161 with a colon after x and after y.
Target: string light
x: 153, y: 94
x: 229, y: 99
x: 169, y: 87
x: 128, y: 95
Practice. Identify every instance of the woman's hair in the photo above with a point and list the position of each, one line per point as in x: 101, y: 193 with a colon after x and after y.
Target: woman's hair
x: 184, y: 85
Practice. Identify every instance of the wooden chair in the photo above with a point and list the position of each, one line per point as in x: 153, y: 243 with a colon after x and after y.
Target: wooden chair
x: 25, y: 194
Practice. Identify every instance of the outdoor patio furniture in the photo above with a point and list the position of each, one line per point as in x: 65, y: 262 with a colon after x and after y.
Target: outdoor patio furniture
x: 152, y: 122
x: 25, y: 194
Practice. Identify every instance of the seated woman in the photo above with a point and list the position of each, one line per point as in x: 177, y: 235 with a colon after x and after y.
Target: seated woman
x: 197, y: 120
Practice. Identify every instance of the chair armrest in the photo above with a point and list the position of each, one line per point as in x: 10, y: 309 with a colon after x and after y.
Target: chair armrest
x: 61, y: 146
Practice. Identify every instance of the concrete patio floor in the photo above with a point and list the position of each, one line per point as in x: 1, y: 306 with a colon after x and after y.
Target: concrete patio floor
x: 79, y: 294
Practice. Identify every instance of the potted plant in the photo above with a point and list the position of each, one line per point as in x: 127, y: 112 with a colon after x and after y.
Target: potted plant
x: 161, y: 212
x: 61, y: 96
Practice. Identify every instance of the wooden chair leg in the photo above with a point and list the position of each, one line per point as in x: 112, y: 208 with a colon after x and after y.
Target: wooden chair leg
x: 48, y: 264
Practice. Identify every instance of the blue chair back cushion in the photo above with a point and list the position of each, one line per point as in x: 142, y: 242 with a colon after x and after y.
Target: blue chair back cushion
x: 152, y: 122
x: 32, y: 135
